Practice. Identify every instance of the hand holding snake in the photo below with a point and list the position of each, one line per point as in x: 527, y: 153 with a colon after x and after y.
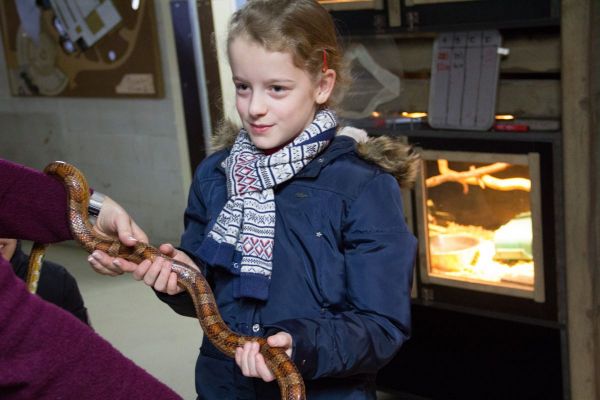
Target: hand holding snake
x: 158, y: 275
x: 114, y: 218
x: 289, y: 379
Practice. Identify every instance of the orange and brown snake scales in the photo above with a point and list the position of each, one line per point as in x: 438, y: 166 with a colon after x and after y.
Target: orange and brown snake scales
x: 289, y: 379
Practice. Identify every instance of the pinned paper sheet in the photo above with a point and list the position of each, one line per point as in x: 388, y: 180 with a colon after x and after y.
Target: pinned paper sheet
x: 136, y: 84
x: 464, y: 80
x: 86, y: 21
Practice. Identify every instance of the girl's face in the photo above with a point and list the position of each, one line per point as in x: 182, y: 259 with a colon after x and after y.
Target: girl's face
x: 275, y: 99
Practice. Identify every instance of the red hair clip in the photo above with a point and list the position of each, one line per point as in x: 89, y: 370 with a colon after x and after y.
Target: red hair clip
x: 325, y: 66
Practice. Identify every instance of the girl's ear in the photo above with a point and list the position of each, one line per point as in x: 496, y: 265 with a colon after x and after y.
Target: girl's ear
x: 325, y: 86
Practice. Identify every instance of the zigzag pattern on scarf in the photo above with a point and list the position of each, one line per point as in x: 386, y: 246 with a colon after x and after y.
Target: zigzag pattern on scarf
x: 247, y: 221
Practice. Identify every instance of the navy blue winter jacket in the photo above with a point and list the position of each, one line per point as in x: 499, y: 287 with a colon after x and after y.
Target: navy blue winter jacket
x: 341, y: 281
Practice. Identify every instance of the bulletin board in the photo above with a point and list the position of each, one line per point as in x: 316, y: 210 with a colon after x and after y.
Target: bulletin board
x: 124, y: 62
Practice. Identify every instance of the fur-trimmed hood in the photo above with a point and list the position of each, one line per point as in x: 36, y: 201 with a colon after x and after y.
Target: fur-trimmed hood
x: 390, y: 154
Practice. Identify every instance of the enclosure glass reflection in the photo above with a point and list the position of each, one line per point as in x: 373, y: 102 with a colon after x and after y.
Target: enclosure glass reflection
x: 480, y: 222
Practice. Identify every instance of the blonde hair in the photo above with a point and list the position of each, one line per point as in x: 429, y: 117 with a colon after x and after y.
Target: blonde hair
x: 302, y: 28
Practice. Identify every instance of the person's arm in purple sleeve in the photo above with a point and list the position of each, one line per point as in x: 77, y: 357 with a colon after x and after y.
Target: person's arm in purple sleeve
x: 33, y: 206
x: 48, y: 353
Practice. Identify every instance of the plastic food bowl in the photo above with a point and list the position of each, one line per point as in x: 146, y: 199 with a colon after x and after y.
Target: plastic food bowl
x: 453, y: 252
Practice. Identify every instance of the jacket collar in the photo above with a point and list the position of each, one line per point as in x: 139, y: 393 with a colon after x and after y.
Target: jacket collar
x: 339, y: 146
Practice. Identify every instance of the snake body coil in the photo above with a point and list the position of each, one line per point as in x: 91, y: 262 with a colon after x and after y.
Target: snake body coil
x: 289, y: 379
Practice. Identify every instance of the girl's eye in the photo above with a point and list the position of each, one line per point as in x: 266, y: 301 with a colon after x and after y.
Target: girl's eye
x: 241, y: 87
x: 279, y: 90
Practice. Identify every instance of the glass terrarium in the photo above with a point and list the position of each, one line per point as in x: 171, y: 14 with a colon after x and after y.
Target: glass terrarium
x: 479, y: 222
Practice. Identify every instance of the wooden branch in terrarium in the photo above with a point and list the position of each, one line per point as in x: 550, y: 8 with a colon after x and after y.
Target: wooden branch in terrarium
x: 478, y: 177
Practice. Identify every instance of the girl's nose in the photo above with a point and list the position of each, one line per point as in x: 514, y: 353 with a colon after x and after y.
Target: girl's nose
x: 257, y: 106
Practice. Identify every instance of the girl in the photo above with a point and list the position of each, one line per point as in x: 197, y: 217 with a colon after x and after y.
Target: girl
x: 300, y: 234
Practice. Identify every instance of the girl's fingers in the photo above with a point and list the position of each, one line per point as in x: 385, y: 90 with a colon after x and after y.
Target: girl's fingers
x: 262, y: 369
x: 153, y: 271
x: 141, y: 270
x: 163, y: 277
x: 246, y: 359
x: 252, y: 363
x: 254, y: 347
x: 172, y: 287
x: 238, y: 356
x: 167, y: 249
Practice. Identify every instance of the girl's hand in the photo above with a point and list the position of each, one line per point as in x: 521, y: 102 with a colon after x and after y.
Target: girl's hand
x: 158, y: 273
x: 252, y: 363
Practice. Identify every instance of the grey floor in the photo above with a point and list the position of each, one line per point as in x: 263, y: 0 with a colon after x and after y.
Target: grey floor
x: 128, y: 314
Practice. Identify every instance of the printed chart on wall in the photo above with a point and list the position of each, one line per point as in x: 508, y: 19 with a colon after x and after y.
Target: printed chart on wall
x: 81, y: 48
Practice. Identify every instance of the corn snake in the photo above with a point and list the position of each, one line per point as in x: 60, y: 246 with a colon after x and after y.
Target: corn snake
x: 289, y: 379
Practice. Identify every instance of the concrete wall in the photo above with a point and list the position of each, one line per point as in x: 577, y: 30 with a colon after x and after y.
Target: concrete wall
x: 134, y: 150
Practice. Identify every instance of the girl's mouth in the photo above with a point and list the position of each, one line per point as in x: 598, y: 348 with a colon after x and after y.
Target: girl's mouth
x: 259, y: 128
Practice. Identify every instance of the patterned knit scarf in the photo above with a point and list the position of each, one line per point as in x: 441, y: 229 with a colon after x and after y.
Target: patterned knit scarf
x: 242, y: 238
